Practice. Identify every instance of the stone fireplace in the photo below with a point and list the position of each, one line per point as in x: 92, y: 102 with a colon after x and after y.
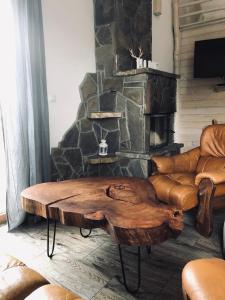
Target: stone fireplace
x: 133, y: 109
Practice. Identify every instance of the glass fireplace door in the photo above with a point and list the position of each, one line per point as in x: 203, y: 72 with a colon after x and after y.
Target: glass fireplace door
x: 159, y: 130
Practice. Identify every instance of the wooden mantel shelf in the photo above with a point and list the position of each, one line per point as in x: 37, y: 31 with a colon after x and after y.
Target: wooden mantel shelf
x: 105, y: 115
x: 97, y: 159
x: 146, y: 71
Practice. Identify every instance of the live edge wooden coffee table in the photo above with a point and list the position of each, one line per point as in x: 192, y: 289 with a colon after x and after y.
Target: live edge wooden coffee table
x: 126, y: 208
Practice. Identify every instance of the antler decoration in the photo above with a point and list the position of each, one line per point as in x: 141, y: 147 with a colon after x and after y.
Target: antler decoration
x: 139, y: 60
x: 133, y: 55
x: 140, y: 52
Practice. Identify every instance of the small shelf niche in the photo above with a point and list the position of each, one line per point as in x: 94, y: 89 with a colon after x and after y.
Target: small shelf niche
x: 97, y: 159
x: 105, y: 115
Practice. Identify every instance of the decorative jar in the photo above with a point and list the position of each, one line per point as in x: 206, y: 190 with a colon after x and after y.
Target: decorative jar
x: 103, y: 148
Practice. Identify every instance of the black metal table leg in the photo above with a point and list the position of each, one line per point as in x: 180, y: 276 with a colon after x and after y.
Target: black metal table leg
x: 148, y: 249
x: 53, y: 242
x: 131, y: 291
x: 223, y: 241
x: 85, y: 235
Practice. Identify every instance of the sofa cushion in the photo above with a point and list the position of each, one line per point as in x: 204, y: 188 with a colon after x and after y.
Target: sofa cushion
x: 185, y: 162
x: 204, y: 279
x: 178, y: 189
x: 18, y: 282
x: 7, y: 262
x: 52, y: 292
x: 210, y: 164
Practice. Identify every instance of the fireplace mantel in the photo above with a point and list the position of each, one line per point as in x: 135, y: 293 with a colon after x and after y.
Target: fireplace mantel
x: 146, y: 71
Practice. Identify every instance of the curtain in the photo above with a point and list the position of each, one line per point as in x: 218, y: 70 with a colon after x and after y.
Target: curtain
x: 24, y: 105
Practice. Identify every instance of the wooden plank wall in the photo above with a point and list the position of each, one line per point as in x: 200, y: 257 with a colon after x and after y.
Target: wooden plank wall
x: 197, y: 103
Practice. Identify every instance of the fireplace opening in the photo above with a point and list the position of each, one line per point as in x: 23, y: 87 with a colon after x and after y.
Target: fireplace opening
x: 159, y: 130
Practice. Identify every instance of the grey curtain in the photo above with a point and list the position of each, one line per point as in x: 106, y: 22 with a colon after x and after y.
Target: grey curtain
x: 25, y: 119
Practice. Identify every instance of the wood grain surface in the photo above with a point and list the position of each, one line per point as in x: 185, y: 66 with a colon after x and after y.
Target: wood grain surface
x: 126, y: 208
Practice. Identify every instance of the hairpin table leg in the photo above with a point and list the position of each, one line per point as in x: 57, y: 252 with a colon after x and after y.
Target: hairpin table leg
x: 85, y: 235
x: 148, y: 249
x: 132, y: 291
x: 223, y: 241
x: 53, y: 242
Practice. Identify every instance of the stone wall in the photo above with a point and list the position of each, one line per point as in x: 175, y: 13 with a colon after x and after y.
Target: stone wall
x: 121, y: 25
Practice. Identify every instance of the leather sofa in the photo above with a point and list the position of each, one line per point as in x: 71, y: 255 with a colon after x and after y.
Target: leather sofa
x: 18, y: 282
x: 204, y: 279
x: 195, y: 178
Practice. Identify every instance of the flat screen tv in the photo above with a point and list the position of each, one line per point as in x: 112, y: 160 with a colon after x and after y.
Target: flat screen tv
x: 209, y: 58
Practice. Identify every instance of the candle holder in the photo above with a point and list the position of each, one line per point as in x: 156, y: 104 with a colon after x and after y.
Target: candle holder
x: 103, y: 148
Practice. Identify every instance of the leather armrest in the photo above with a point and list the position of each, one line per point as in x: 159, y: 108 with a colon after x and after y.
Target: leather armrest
x: 180, y: 163
x: 216, y: 177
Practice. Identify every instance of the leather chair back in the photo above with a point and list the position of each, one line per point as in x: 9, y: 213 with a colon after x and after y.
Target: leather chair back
x: 212, y: 149
x: 212, y: 141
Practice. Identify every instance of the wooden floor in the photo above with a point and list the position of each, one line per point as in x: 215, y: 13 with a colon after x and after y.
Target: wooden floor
x: 91, y: 268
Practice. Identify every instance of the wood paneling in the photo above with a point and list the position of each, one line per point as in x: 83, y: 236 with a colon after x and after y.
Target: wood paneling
x: 198, y: 103
x: 193, y: 14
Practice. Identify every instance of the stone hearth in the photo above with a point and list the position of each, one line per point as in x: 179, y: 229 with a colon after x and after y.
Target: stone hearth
x: 117, y: 101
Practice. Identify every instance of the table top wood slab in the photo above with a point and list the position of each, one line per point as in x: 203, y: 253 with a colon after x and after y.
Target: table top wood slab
x: 125, y: 207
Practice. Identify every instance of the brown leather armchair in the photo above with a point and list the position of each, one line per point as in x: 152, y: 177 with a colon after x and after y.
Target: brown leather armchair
x: 195, y: 178
x: 204, y: 279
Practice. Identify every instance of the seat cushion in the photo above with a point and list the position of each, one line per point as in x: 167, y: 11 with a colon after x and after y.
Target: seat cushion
x: 210, y: 164
x: 52, y: 292
x: 7, y: 262
x: 184, y: 162
x: 204, y: 279
x: 16, y: 280
x: 178, y: 189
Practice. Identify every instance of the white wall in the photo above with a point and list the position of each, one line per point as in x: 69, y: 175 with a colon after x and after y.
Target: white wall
x: 162, y: 38
x: 70, y: 50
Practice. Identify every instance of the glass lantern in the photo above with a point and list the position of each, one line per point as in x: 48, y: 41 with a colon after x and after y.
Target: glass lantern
x: 103, y: 148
